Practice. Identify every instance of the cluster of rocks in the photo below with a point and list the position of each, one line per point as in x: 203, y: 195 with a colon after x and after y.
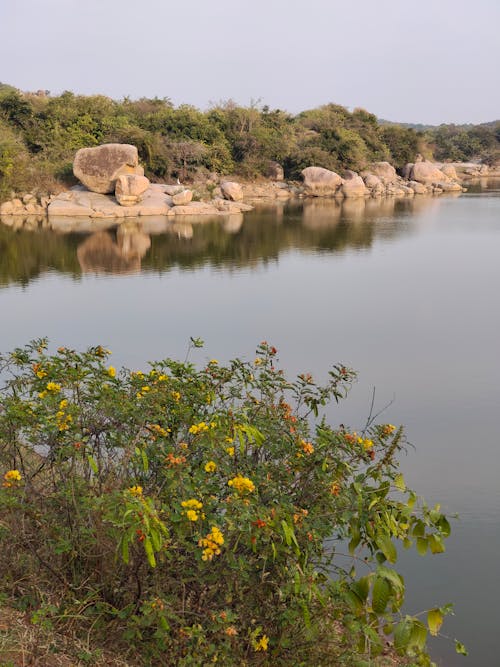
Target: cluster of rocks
x: 26, y: 205
x: 380, y: 180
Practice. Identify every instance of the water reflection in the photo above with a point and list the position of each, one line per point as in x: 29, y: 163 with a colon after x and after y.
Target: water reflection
x: 77, y: 246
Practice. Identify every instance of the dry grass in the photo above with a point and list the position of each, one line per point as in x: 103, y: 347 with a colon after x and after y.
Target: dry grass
x: 23, y: 644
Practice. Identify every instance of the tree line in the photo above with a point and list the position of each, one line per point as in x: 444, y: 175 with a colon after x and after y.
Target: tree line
x: 40, y: 133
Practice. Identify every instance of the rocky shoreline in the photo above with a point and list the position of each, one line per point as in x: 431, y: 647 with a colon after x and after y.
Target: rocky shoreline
x: 113, y: 186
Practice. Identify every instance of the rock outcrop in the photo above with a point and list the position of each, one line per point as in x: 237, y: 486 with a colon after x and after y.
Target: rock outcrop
x: 231, y: 190
x: 385, y: 171
x: 427, y: 173
x: 353, y: 185
x: 320, y: 182
x: 99, y: 167
x: 130, y: 188
x: 182, y: 198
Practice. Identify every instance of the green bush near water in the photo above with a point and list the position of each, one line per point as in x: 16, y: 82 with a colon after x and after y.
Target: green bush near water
x: 195, y: 516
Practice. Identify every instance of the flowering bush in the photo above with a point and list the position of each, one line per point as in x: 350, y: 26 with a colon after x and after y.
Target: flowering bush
x: 203, y: 515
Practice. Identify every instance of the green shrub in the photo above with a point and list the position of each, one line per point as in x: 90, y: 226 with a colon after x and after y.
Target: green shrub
x: 200, y: 515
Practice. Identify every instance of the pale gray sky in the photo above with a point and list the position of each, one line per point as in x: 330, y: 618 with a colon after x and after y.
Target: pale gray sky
x: 429, y: 61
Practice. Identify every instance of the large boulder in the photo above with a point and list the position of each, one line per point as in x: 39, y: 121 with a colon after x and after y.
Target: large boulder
x: 353, y: 185
x: 449, y: 171
x: 182, y: 198
x: 99, y: 167
x: 232, y: 191
x: 427, y: 172
x: 384, y: 171
x: 130, y: 188
x: 406, y: 170
x: 320, y: 182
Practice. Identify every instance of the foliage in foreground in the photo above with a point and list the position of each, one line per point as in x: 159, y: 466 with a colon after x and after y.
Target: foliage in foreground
x: 198, y: 516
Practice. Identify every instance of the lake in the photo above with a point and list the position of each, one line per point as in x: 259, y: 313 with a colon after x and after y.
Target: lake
x: 406, y: 292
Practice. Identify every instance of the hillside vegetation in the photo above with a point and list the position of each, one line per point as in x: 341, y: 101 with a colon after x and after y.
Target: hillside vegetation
x: 39, y: 135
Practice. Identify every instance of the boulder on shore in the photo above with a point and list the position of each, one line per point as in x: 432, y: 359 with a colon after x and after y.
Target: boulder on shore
x: 384, y: 171
x: 320, y: 182
x: 427, y: 173
x: 353, y: 185
x: 231, y: 190
x: 130, y: 188
x: 99, y: 167
x: 275, y: 171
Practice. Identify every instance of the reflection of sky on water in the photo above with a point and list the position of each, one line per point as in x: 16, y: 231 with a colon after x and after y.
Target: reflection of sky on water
x: 408, y: 298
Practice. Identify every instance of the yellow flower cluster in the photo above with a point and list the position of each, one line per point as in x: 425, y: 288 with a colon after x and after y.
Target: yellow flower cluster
x: 211, y: 544
x: 51, y: 388
x: 242, y: 484
x: 143, y: 392
x: 63, y: 420
x: 366, y: 442
x: 201, y: 427
x: 388, y: 429
x: 112, y: 372
x: 176, y: 396
x: 10, y: 477
x: 211, y: 466
x: 135, y: 490
x: 261, y: 644
x: 230, y: 451
x: 159, y: 430
x: 306, y: 447
x: 193, y: 508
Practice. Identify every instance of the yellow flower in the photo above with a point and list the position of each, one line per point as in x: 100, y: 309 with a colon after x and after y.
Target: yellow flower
x: 242, y: 484
x: 192, y: 504
x: 306, y: 447
x: 192, y: 515
x: 159, y: 430
x: 176, y: 396
x: 53, y: 386
x: 135, y: 490
x: 211, y: 466
x: 230, y: 451
x: 12, y: 476
x: 41, y: 374
x: 213, y: 361
x: 261, y: 644
x: 162, y: 378
x: 388, y: 429
x: 257, y: 361
x: 211, y: 543
x: 198, y: 428
x: 366, y: 442
x: 112, y: 371
x: 63, y: 404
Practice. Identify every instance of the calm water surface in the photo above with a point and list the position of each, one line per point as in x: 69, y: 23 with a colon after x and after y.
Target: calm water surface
x: 406, y: 292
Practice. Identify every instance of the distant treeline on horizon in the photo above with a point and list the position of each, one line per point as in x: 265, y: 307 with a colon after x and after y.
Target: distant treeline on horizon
x: 40, y: 133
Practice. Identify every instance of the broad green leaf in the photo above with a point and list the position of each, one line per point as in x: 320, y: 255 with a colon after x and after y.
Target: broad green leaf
x: 434, y: 621
x: 386, y: 546
x: 418, y: 635
x: 145, y: 462
x: 380, y: 595
x: 460, y: 648
x: 361, y: 588
x: 444, y: 526
x: 402, y: 636
x: 394, y: 577
x: 422, y: 545
x: 435, y: 544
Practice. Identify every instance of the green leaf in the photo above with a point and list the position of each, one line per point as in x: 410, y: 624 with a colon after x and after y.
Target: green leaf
x: 399, y: 482
x: 444, y: 526
x: 125, y: 554
x: 92, y: 464
x: 402, y: 636
x: 148, y: 548
x: 145, y: 462
x: 396, y: 580
x: 418, y: 635
x: 434, y: 621
x: 361, y: 588
x: 422, y: 545
x: 386, y: 546
x: 460, y: 648
x: 435, y: 544
x: 380, y: 595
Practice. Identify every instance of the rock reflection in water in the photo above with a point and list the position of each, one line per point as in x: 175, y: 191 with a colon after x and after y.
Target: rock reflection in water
x: 100, y: 253
x: 79, y: 245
